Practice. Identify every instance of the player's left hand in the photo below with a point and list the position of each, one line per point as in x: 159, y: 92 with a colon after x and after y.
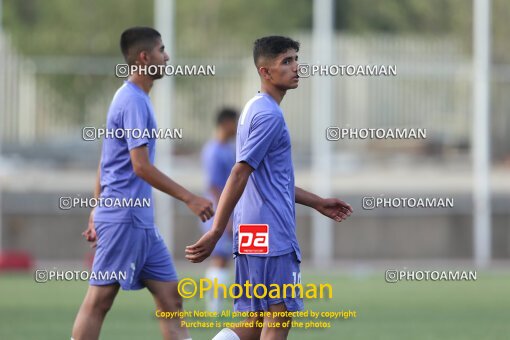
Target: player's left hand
x: 201, y: 250
x: 90, y: 233
x: 201, y: 207
x: 334, y: 208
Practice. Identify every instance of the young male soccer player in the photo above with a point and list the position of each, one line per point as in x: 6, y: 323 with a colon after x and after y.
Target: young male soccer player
x: 261, y: 188
x: 127, y: 239
x: 218, y: 158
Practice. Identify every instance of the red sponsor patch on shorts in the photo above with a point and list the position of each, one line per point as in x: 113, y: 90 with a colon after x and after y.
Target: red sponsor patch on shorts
x: 253, y: 239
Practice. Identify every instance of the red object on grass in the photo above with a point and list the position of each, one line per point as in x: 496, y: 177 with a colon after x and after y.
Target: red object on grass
x: 15, y: 260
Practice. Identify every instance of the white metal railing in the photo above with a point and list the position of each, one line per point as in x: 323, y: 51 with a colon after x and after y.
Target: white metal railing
x: 30, y: 110
x: 432, y: 90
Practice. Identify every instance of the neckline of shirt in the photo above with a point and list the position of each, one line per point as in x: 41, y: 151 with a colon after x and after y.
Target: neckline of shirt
x: 136, y: 88
x: 269, y: 97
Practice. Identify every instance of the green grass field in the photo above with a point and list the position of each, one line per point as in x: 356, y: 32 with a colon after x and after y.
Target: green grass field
x: 404, y: 310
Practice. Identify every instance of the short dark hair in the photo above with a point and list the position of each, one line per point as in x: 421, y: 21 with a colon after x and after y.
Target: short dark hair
x: 137, y: 39
x: 272, y: 46
x: 226, y: 114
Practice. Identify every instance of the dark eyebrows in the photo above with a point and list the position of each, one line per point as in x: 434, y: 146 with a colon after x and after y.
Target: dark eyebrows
x: 290, y: 58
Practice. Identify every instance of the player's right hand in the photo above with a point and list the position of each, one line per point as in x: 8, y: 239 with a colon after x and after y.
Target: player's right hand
x: 199, y: 251
x: 201, y: 207
x: 90, y: 232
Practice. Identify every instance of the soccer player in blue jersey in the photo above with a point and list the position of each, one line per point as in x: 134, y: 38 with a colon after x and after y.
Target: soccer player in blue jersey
x: 218, y: 158
x: 262, y: 191
x: 127, y: 239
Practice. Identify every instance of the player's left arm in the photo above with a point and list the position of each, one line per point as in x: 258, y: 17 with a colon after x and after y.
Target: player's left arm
x: 333, y: 208
x: 90, y: 232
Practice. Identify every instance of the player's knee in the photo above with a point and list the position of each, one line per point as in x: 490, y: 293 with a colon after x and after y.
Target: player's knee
x: 105, y: 305
x: 257, y: 319
x: 171, y: 304
x: 100, y: 304
x: 178, y: 305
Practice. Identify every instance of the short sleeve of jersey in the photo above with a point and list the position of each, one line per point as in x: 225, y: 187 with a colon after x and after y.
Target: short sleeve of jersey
x: 135, y: 115
x: 265, y: 127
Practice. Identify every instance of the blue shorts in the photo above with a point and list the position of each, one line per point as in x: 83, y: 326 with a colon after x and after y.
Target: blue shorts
x: 224, y: 246
x: 139, y: 253
x: 267, y: 270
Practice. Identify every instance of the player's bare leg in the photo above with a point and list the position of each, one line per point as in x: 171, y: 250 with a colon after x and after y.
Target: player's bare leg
x: 168, y: 299
x: 276, y: 333
x: 96, y: 304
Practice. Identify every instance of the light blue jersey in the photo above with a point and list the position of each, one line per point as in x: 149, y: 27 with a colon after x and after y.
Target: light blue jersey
x: 127, y: 239
x: 130, y: 109
x: 263, y: 142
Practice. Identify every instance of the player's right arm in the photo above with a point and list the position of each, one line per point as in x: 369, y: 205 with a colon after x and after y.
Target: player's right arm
x: 231, y: 194
x: 149, y: 173
x: 215, y: 169
x: 265, y: 126
x: 90, y: 233
x: 216, y: 193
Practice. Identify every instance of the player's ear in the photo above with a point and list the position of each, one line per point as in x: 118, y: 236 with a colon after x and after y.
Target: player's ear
x: 143, y: 58
x: 264, y: 72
